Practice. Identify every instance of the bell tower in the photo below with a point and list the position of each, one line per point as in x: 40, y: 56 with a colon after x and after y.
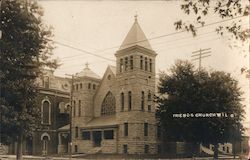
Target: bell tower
x: 135, y: 76
x: 85, y: 86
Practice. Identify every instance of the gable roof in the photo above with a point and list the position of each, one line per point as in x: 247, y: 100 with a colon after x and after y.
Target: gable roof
x: 134, y: 37
x: 113, y: 69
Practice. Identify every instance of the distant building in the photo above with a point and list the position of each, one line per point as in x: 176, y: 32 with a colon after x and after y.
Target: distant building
x: 115, y: 113
x: 53, y: 101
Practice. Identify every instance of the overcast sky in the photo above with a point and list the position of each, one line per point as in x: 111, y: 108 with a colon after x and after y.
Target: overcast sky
x: 97, y: 26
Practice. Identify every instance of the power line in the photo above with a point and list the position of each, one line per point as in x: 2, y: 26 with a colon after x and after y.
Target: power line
x: 169, y: 48
x: 71, y: 66
x: 200, y: 35
x: 81, y: 50
x: 67, y: 57
x: 157, y: 37
x: 154, y: 44
x: 213, y: 39
x: 202, y: 53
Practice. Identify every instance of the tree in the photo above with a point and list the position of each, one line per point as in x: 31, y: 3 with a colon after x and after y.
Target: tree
x: 226, y: 10
x: 25, y: 49
x: 187, y: 91
x: 222, y: 8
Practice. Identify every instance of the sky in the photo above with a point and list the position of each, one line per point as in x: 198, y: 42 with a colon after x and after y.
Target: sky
x: 99, y: 27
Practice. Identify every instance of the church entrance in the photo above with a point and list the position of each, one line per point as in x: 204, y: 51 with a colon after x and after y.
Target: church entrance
x: 45, y: 145
x: 97, y: 138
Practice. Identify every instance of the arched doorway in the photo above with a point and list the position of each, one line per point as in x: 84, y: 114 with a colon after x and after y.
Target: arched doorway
x: 45, y: 138
x: 45, y: 145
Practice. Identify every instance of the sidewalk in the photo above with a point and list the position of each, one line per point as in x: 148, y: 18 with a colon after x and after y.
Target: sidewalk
x: 29, y: 157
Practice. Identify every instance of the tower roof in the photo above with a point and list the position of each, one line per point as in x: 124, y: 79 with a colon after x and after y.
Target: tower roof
x: 134, y: 37
x: 87, y: 72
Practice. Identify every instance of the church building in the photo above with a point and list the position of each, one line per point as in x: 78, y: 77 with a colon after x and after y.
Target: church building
x: 116, y: 113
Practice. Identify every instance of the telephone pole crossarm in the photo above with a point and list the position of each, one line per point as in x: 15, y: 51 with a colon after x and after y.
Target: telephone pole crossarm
x: 200, y: 54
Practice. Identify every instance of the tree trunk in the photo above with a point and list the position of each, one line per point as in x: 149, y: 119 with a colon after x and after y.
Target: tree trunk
x: 216, y: 146
x: 234, y: 150
x: 19, y: 153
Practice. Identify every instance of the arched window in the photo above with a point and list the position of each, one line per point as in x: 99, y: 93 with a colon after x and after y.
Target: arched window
x: 131, y: 63
x: 141, y: 63
x: 146, y: 63
x: 122, y: 101
x: 150, y: 65
x: 129, y: 100
x: 126, y: 63
x: 121, y: 65
x: 79, y: 108
x: 108, y: 105
x: 149, y: 96
x: 46, y: 112
x: 142, y: 100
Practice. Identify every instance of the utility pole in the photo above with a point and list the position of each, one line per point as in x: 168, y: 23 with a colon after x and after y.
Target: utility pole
x: 70, y: 115
x: 200, y: 54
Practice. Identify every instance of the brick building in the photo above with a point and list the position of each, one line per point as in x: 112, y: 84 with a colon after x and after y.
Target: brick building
x: 53, y: 101
x: 115, y: 113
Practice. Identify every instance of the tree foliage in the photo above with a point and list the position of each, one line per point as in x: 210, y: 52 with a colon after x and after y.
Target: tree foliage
x: 186, y: 90
x: 225, y: 9
x: 25, y: 48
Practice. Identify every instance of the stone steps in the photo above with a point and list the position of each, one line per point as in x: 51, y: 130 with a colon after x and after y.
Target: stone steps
x: 95, y: 150
x: 3, y: 149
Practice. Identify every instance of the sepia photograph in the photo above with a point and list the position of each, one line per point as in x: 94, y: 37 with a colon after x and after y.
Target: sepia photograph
x: 124, y: 79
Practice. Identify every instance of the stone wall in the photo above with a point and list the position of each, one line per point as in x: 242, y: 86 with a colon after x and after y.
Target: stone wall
x: 107, y: 85
x: 109, y: 146
x: 83, y: 145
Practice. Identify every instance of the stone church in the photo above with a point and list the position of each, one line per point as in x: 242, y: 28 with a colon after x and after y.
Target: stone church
x: 116, y: 113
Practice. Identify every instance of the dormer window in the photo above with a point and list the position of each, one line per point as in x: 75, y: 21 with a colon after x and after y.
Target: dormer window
x: 46, y: 82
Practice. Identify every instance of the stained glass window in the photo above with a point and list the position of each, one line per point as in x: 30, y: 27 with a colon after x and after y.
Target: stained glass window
x: 108, y: 105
